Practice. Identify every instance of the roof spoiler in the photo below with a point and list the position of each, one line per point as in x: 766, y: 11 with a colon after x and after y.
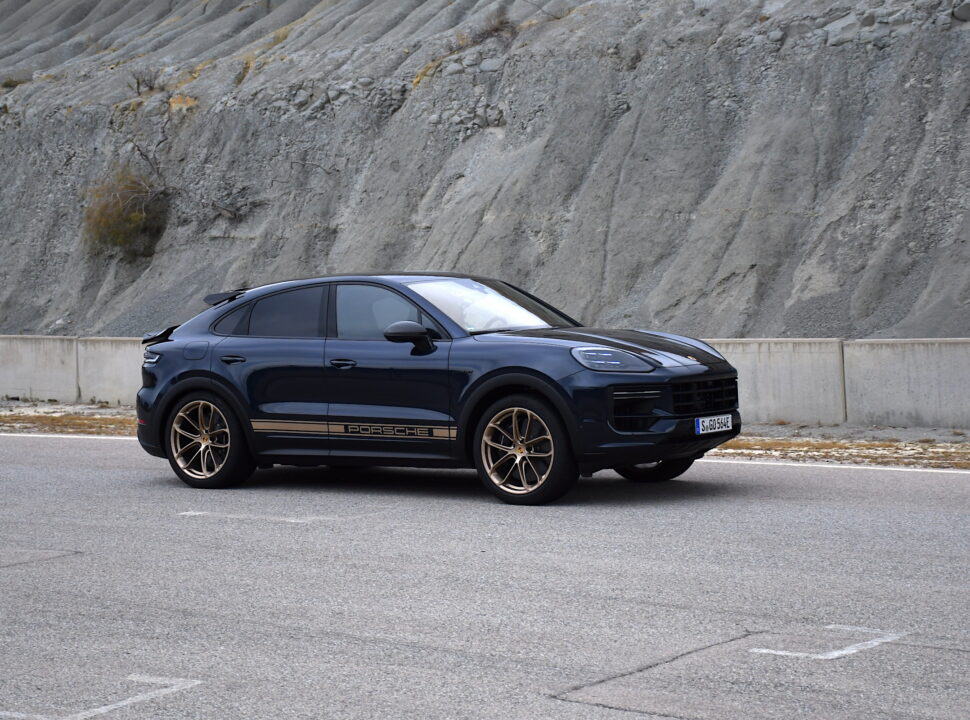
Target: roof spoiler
x: 216, y: 298
x: 157, y: 337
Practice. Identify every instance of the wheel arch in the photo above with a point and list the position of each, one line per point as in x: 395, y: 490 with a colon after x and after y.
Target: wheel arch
x: 183, y: 387
x: 510, y: 383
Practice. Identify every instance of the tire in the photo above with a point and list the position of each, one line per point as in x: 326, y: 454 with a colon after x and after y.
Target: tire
x: 655, y: 472
x: 548, y: 465
x: 212, y: 467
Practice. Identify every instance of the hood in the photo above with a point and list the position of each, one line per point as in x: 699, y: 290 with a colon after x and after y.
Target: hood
x: 663, y: 349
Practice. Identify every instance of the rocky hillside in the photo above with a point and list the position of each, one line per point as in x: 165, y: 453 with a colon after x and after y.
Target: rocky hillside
x: 716, y: 167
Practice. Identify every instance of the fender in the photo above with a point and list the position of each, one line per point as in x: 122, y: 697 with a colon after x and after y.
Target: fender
x: 533, y: 381
x: 214, y: 385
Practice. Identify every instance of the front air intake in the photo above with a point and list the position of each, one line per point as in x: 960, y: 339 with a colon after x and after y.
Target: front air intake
x: 696, y: 397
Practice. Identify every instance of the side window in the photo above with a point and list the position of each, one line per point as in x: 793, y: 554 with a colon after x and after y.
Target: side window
x: 235, y: 323
x: 365, y: 311
x: 294, y: 313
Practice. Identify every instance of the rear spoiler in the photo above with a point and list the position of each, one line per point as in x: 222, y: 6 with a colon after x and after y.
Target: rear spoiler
x: 157, y: 337
x: 216, y: 298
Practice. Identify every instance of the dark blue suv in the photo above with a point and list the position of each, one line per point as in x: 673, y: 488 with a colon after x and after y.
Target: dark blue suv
x: 429, y: 370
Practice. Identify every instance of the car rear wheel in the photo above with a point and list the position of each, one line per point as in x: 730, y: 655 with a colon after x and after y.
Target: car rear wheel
x: 206, y: 446
x: 660, y: 471
x: 522, y: 452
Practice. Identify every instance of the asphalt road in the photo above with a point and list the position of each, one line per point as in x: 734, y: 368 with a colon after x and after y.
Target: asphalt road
x: 744, y: 590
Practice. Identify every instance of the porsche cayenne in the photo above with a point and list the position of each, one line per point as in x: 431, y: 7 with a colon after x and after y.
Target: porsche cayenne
x: 427, y: 370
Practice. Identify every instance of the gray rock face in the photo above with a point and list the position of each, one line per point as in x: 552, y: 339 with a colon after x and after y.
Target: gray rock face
x: 492, y: 64
x: 652, y: 164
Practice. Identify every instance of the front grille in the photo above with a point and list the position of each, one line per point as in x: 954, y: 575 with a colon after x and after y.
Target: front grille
x: 704, y: 396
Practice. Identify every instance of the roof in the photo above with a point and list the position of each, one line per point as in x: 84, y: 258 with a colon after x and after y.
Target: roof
x: 391, y: 276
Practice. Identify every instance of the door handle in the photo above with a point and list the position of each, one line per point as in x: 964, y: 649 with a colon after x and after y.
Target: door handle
x: 341, y: 364
x: 230, y: 359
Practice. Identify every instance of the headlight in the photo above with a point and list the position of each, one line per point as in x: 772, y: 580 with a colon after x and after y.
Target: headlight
x: 605, y: 359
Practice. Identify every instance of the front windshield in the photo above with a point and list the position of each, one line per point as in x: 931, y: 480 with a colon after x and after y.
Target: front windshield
x: 486, y: 306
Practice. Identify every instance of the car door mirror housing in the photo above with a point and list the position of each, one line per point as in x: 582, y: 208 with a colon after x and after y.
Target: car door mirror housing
x: 408, y: 331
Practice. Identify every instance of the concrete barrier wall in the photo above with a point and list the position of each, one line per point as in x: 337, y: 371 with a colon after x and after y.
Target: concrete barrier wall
x: 916, y: 383
x: 39, y: 367
x: 796, y: 380
x: 109, y: 369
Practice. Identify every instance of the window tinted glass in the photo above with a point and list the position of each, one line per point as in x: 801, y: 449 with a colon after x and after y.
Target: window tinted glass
x: 234, y: 323
x: 487, y: 306
x: 295, y: 313
x: 365, y: 311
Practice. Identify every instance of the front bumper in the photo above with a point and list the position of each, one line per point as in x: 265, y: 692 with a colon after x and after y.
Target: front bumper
x: 668, y: 439
x: 663, y: 429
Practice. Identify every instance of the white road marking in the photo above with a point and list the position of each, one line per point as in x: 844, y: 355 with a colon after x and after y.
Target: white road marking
x: 170, y: 685
x: 740, y: 461
x: 884, y: 637
x: 834, y: 466
x: 278, y: 518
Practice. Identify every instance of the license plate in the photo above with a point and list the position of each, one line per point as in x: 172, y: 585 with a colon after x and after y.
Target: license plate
x: 717, y: 423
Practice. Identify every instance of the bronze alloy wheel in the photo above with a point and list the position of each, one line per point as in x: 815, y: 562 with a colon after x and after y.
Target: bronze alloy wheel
x: 517, y: 450
x: 200, y: 439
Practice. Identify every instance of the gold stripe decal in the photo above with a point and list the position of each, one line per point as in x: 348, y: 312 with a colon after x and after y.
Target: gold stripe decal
x: 376, y: 430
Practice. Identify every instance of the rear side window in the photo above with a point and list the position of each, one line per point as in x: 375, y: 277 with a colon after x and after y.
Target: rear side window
x: 235, y: 323
x: 294, y: 313
x: 365, y: 311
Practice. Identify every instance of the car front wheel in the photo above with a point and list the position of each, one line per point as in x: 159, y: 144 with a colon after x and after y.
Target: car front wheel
x: 522, y: 452
x: 206, y: 446
x: 656, y: 471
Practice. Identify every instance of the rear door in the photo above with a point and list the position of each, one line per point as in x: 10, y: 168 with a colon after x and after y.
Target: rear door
x: 386, y: 399
x: 274, y: 355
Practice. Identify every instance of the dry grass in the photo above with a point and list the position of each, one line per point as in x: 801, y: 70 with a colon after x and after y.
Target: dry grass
x: 68, y: 424
x: 123, y: 209
x: 428, y: 69
x: 10, y: 83
x: 883, y: 452
x: 182, y: 103
x: 247, y: 65
x: 279, y: 37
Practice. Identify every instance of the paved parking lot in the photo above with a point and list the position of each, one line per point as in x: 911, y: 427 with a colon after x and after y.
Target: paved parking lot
x: 744, y: 590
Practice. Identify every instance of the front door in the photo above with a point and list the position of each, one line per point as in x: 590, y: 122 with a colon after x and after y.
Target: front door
x: 274, y: 355
x: 386, y: 399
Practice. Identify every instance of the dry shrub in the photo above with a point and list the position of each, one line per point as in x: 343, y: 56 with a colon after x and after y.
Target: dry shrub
x: 144, y: 80
x: 126, y: 210
x: 496, y: 23
x: 10, y: 83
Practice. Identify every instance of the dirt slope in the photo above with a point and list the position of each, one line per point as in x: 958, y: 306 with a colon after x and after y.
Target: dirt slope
x: 721, y: 168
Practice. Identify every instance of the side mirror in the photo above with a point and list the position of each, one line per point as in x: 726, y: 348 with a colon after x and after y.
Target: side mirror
x: 409, y: 331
